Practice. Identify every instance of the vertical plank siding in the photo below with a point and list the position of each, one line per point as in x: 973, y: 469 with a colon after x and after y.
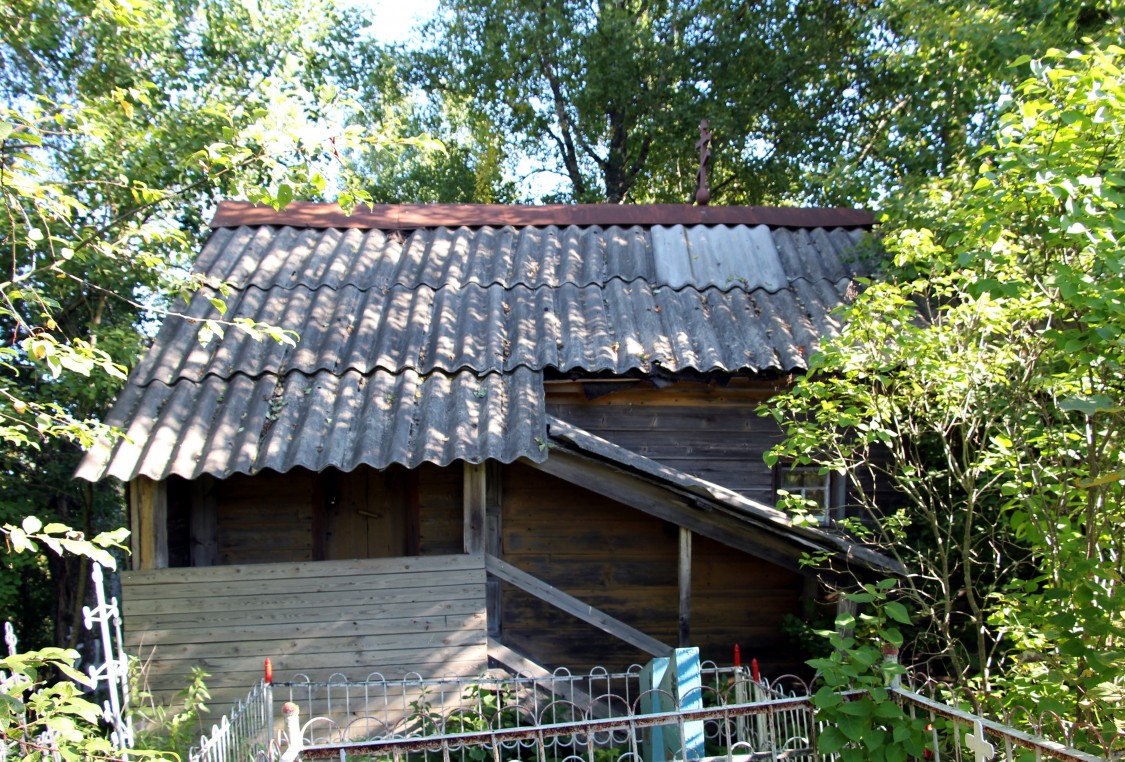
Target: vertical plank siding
x: 392, y: 616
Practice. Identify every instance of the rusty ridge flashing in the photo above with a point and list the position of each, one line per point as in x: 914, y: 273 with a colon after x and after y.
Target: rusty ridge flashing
x: 306, y: 214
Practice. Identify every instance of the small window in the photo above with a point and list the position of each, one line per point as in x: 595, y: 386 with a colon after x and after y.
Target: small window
x: 808, y: 483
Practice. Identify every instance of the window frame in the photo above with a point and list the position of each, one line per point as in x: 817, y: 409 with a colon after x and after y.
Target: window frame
x: 833, y: 486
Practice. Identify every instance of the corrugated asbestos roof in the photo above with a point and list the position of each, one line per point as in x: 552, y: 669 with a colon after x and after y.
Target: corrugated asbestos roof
x: 430, y: 344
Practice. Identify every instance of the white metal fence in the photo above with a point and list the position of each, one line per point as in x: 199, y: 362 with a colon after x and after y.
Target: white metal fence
x: 246, y: 734
x: 596, y: 717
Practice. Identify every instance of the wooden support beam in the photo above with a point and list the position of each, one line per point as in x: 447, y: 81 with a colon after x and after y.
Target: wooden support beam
x: 493, y: 545
x: 685, y: 587
x: 413, y: 515
x: 574, y: 606
x: 204, y: 544
x: 475, y: 502
x: 563, y: 690
x: 149, y: 511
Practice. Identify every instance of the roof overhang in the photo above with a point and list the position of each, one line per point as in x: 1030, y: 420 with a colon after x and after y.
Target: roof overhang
x: 580, y: 457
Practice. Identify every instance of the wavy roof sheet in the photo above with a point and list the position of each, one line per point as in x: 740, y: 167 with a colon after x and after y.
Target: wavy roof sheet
x: 430, y: 344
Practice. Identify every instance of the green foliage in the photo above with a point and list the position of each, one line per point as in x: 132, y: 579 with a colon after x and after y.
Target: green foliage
x: 40, y: 716
x: 860, y: 717
x: 62, y: 539
x: 41, y: 713
x: 810, y: 101
x: 609, y: 96
x: 174, y: 727
x: 121, y: 124
x: 981, y: 377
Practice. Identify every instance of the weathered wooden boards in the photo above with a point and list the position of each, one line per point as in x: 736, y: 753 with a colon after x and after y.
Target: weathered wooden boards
x: 392, y: 616
x: 633, y: 567
x: 298, y: 516
x: 711, y: 432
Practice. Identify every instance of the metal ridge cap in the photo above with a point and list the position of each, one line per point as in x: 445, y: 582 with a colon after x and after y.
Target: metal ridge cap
x: 307, y: 214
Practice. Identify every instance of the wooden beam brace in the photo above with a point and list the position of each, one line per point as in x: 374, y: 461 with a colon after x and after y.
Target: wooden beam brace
x: 574, y: 606
x: 493, y: 545
x: 563, y: 690
x: 149, y: 511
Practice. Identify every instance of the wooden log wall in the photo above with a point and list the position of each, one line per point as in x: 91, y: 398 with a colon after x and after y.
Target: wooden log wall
x: 705, y: 430
x: 625, y: 563
x: 393, y: 616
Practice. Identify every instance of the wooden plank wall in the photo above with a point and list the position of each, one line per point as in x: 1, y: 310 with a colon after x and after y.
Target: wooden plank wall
x: 305, y: 516
x: 737, y: 598
x: 705, y: 430
x: 624, y: 563
x: 393, y: 616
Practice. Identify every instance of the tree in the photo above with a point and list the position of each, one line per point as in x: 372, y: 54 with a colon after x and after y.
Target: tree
x: 935, y: 72
x: 120, y: 124
x: 610, y: 95
x: 982, y: 379
x: 463, y: 163
x: 809, y: 101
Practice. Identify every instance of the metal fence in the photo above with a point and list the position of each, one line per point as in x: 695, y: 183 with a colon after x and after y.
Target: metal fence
x: 246, y: 734
x: 376, y: 707
x: 596, y: 717
x: 958, y: 735
x: 599, y: 717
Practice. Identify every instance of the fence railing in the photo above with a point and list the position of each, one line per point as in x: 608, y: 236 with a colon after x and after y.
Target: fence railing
x: 960, y: 735
x: 247, y: 734
x: 376, y: 706
x: 596, y: 717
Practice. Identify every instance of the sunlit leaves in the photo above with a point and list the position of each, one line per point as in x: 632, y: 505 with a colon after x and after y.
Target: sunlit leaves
x: 62, y: 539
x: 982, y: 377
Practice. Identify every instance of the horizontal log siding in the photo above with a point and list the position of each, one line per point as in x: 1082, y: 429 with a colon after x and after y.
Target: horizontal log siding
x: 306, y: 516
x: 612, y: 557
x: 740, y: 599
x: 710, y: 432
x: 393, y: 616
x: 624, y: 563
x: 266, y: 518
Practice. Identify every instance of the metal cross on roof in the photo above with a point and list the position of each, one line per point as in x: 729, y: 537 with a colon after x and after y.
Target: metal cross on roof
x: 982, y: 750
x: 703, y: 194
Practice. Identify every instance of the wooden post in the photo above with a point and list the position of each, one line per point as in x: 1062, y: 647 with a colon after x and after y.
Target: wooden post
x: 493, y: 546
x: 413, y: 514
x: 689, y: 696
x: 149, y: 511
x: 204, y: 546
x: 685, y: 587
x: 668, y: 684
x: 475, y: 502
